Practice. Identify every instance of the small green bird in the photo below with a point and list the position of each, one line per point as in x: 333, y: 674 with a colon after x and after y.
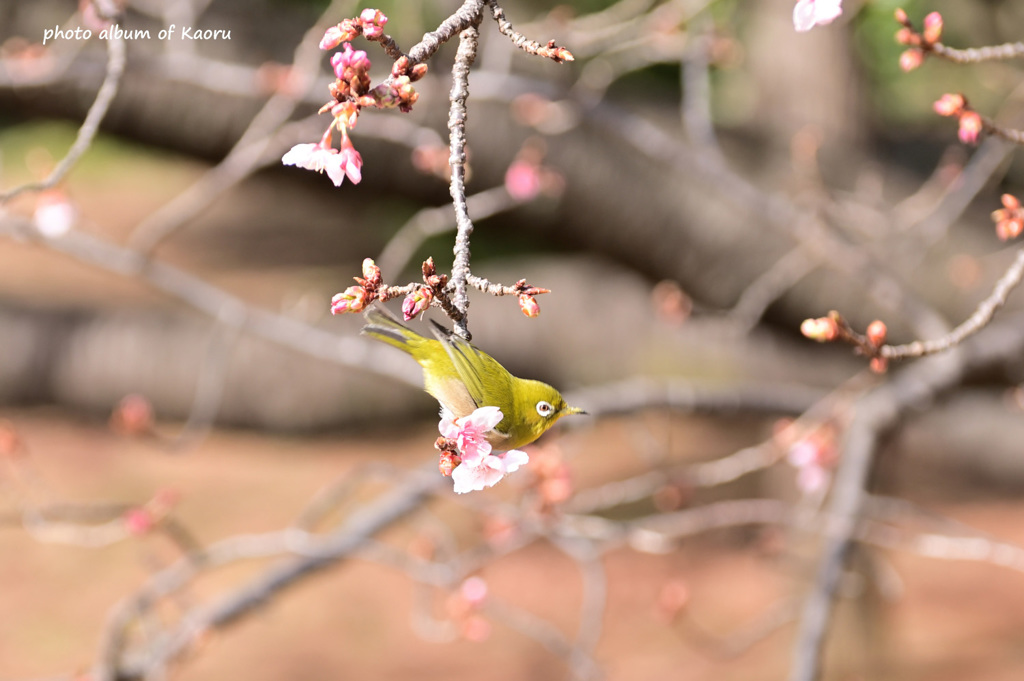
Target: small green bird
x: 463, y: 378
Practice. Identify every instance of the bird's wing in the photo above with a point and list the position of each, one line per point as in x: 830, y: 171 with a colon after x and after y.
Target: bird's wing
x: 476, y: 370
x: 464, y: 358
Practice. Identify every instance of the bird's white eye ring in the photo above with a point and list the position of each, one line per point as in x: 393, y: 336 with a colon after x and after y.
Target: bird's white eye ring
x: 545, y: 409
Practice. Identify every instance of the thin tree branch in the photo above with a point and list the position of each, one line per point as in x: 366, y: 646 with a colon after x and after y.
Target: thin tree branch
x: 215, y: 302
x: 464, y: 57
x: 87, y: 131
x: 981, y: 317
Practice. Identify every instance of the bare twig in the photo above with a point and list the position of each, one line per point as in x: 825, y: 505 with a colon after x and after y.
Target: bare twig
x: 975, y: 55
x: 874, y: 415
x: 976, y: 322
x: 550, y: 50
x: 87, y: 131
x: 428, y: 222
x: 315, y: 554
x: 215, y: 302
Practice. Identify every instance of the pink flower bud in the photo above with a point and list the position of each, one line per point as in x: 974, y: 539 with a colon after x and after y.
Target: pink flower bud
x: 949, y: 105
x: 971, y: 126
x: 879, y: 365
x: 371, y: 273
x: 352, y: 299
x: 417, y: 303
x: 876, y: 333
x: 373, y: 16
x: 905, y: 36
x: 372, y: 22
x: 932, y: 28
x: 1009, y: 219
x: 447, y: 464
x: 529, y: 305
x: 822, y: 329
x: 901, y: 16
x: 1010, y: 228
x: 417, y: 72
x: 349, y: 63
x: 345, y: 114
x: 911, y: 59
x: 332, y: 38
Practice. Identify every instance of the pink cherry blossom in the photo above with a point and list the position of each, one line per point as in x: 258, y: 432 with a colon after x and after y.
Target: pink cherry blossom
x: 513, y: 459
x: 322, y: 157
x: 488, y: 471
x: 810, y: 13
x: 479, y: 468
x: 469, y: 433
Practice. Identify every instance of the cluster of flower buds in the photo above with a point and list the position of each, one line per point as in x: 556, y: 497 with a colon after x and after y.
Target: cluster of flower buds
x: 351, y: 91
x: 1009, y: 219
x: 398, y: 93
x: 971, y: 123
x: 352, y: 69
x: 369, y: 24
x: 527, y: 303
x: 834, y: 327
x: 421, y: 298
x: 450, y: 458
x: 920, y: 44
x: 356, y: 298
x: 417, y: 302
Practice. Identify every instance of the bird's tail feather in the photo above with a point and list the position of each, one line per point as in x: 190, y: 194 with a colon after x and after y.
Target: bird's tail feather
x: 385, y: 327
